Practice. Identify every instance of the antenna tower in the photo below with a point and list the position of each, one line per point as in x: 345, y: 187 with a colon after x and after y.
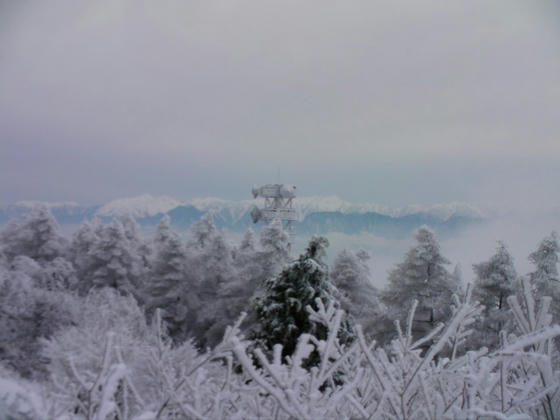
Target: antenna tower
x: 278, y: 205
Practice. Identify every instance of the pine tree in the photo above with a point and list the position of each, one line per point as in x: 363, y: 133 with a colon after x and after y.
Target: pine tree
x: 132, y: 233
x: 253, y: 265
x: 545, y: 259
x: 359, y: 298
x: 421, y: 276
x: 37, y: 236
x: 83, y: 241
x: 248, y: 242
x: 115, y: 262
x: 273, y: 255
x: 281, y: 313
x: 495, y: 281
x: 28, y: 314
x: 168, y: 285
x: 202, y: 231
x: 545, y: 279
x: 213, y: 270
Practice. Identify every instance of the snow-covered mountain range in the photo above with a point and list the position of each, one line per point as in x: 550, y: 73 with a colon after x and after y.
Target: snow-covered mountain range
x: 316, y: 214
x: 148, y: 205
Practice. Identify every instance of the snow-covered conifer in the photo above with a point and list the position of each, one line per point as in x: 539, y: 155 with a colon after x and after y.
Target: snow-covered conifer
x: 248, y: 242
x: 545, y: 279
x: 169, y: 285
x: 27, y: 314
x: 37, y: 236
x: 282, y: 313
x: 218, y: 274
x: 545, y: 259
x: 83, y: 241
x: 275, y: 249
x: 114, y: 261
x: 495, y: 281
x: 359, y: 298
x: 202, y: 231
x: 422, y: 276
x: 132, y: 233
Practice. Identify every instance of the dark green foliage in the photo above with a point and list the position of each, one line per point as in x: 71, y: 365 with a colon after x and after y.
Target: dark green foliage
x: 281, y: 313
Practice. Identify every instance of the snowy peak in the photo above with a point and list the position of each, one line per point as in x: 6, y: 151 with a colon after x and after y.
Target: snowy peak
x: 444, y: 211
x: 148, y: 205
x: 142, y: 206
x: 230, y: 213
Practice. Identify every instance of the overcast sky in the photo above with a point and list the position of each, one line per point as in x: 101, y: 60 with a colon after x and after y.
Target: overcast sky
x: 394, y: 102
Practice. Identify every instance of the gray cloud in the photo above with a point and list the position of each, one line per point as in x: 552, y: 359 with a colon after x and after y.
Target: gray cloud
x: 395, y: 102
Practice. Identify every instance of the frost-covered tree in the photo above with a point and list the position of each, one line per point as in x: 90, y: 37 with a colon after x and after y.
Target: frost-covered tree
x: 102, y: 362
x: 202, y: 231
x: 275, y: 249
x: 545, y: 279
x: 132, y: 233
x: 282, y: 313
x: 422, y: 276
x: 83, y: 241
x: 169, y: 285
x: 248, y: 242
x: 495, y: 281
x: 212, y: 267
x: 253, y: 264
x: 27, y: 314
x: 37, y: 236
x: 359, y: 298
x: 545, y: 259
x: 114, y: 261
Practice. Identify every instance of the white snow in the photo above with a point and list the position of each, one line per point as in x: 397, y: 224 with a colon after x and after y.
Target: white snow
x: 149, y: 205
x: 333, y: 203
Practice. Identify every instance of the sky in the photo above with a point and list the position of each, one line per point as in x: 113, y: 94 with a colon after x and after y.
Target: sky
x: 392, y: 102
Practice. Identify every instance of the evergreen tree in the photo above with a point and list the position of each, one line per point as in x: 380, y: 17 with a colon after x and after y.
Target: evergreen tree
x: 132, y: 233
x: 495, y: 281
x: 253, y: 265
x: 114, y: 261
x: 422, y: 276
x: 28, y: 314
x: 213, y: 270
x: 271, y: 257
x: 202, y: 231
x: 545, y: 259
x: 281, y: 313
x: 358, y: 297
x: 248, y: 242
x: 168, y: 284
x: 545, y: 279
x: 83, y: 241
x: 37, y: 236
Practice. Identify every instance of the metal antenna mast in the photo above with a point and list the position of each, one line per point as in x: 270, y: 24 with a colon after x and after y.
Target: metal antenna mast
x: 278, y: 205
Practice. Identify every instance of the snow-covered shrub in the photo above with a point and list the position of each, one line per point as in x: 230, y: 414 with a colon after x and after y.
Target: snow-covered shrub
x: 28, y: 313
x: 113, y: 365
x: 20, y: 400
x: 404, y: 382
x: 110, y: 333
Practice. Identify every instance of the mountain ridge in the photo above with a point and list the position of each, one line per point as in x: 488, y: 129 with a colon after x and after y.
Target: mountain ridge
x: 316, y: 215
